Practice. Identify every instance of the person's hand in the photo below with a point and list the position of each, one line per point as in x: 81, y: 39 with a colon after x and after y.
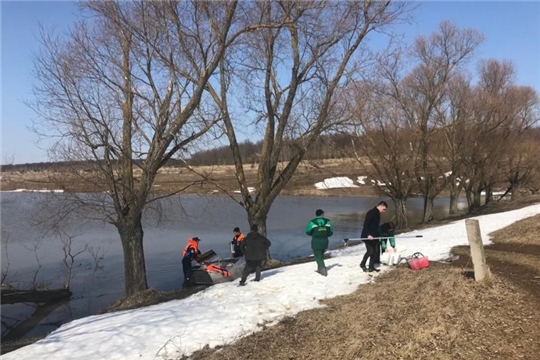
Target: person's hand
x: 370, y: 237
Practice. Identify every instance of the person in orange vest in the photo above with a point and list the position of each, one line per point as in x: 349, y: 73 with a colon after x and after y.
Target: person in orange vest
x: 235, y: 243
x: 190, y: 252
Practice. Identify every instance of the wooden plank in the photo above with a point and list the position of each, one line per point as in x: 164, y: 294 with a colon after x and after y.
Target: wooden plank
x: 206, y: 256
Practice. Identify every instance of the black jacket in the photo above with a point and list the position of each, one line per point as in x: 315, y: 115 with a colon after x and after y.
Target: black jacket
x: 371, y: 223
x: 254, y: 246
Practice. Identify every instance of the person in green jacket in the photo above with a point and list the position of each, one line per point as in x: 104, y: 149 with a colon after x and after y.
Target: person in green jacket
x: 319, y: 229
x: 386, y: 231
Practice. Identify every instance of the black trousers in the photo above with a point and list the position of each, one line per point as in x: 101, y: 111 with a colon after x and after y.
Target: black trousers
x: 371, y: 250
x: 186, y: 267
x: 250, y: 266
x: 377, y: 254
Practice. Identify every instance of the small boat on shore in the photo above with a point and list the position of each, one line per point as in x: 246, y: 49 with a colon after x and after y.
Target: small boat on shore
x: 212, y: 269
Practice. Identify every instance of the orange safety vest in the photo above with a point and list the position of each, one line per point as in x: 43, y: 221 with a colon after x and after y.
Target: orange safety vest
x: 191, y: 243
x: 239, y: 238
x: 235, y: 244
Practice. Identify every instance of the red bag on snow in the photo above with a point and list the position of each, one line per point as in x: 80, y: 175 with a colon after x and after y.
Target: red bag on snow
x: 418, y: 261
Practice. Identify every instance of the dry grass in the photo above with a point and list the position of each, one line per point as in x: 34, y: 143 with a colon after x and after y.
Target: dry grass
x: 433, y: 314
x: 526, y: 231
x: 173, y: 179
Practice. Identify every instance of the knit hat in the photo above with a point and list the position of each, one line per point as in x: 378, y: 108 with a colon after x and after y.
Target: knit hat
x: 319, y: 212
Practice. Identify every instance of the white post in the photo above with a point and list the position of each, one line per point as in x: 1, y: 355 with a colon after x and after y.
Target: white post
x: 481, y: 270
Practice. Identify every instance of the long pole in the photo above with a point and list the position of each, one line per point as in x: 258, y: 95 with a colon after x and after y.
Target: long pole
x: 385, y: 237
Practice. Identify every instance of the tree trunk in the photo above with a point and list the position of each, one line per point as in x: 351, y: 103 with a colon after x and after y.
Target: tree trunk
x: 516, y: 194
x: 131, y: 234
x: 428, y: 209
x: 260, y: 220
x: 489, y: 194
x: 476, y: 201
x: 454, y: 197
x: 468, y: 194
x: 401, y: 213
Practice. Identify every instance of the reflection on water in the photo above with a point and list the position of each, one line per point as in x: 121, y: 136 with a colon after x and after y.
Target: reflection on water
x: 210, y: 218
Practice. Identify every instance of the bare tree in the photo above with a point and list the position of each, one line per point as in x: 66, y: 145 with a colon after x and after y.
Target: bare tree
x: 290, y: 77
x: 519, y: 160
x: 436, y: 60
x: 6, y: 263
x: 34, y: 247
x: 8, y: 159
x: 98, y: 254
x: 452, y: 113
x: 69, y: 256
x: 487, y: 129
x: 122, y: 94
x: 382, y: 145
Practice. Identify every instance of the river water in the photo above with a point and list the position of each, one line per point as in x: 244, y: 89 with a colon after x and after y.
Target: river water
x: 33, y: 255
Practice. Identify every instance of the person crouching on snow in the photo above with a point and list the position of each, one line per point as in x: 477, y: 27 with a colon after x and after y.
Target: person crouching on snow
x: 319, y: 229
x: 386, y: 231
x: 255, y: 247
x: 190, y: 252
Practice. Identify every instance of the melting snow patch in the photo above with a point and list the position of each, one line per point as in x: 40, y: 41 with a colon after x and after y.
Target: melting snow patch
x: 362, y: 180
x: 337, y: 182
x: 250, y: 189
x: 43, y: 191
x: 379, y: 183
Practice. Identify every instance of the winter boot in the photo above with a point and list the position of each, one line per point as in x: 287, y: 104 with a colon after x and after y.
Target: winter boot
x: 322, y: 271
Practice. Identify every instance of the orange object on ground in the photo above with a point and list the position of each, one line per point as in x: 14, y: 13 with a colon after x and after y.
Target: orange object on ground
x: 418, y: 261
x: 218, y: 269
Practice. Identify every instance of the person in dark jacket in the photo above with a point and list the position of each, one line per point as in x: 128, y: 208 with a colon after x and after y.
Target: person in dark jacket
x: 369, y: 232
x: 255, y: 247
x: 190, y: 253
x: 235, y: 243
x: 319, y: 228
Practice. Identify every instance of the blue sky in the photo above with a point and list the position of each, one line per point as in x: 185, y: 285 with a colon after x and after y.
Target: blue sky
x: 512, y: 30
